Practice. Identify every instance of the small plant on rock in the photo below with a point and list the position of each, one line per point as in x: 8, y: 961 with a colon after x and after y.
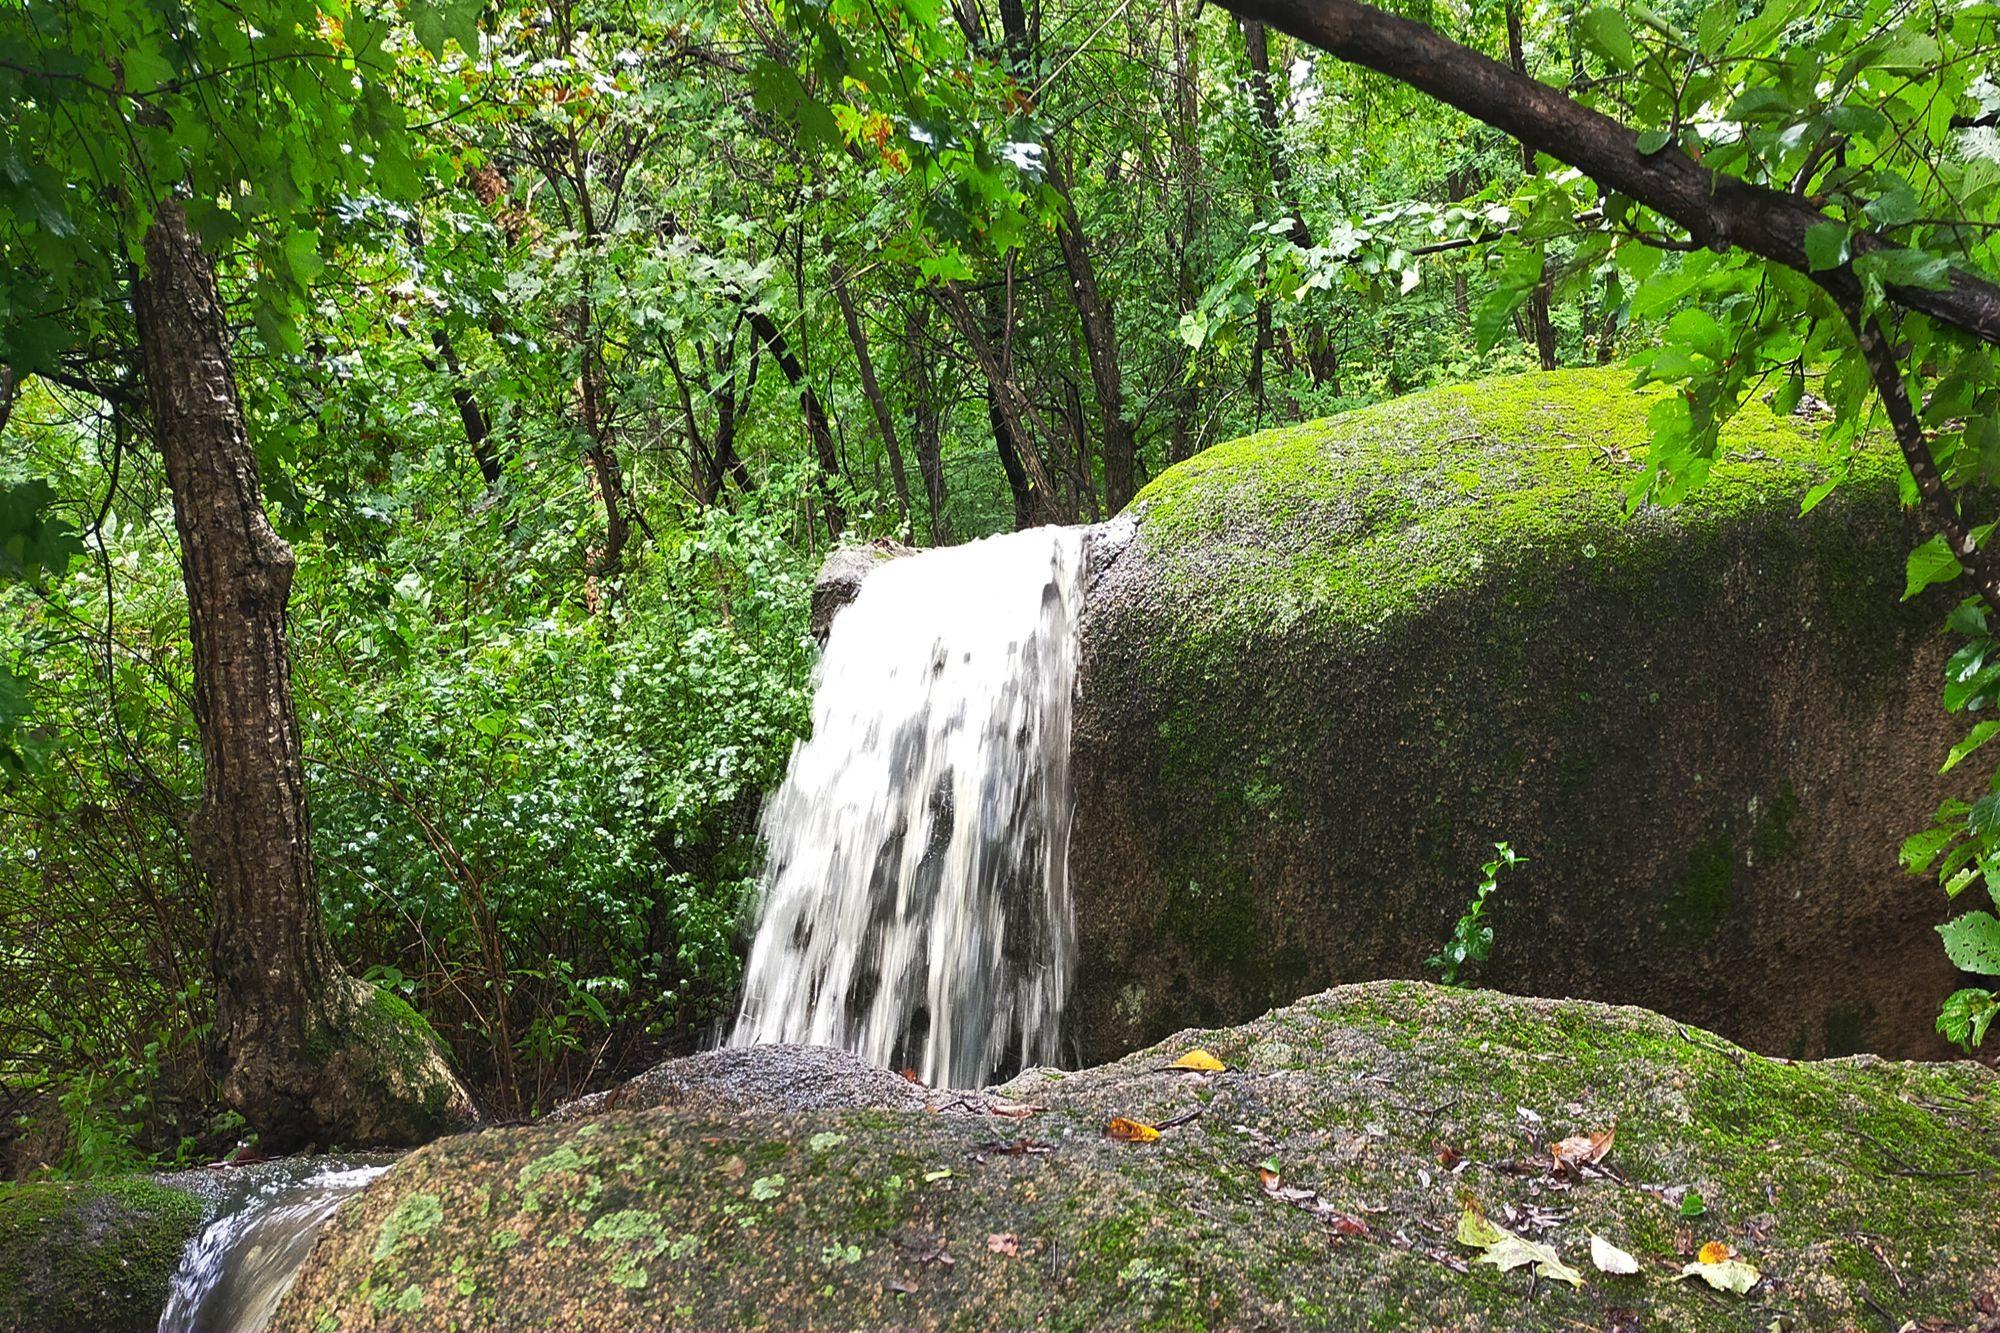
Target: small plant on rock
x: 1471, y: 941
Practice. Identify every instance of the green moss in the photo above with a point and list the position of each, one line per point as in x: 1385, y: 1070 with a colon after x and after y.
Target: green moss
x: 1432, y: 492
x: 1820, y: 1173
x: 92, y: 1255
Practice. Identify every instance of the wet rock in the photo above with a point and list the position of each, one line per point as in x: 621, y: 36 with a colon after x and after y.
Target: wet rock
x: 840, y: 575
x: 1340, y: 660
x: 1855, y: 1187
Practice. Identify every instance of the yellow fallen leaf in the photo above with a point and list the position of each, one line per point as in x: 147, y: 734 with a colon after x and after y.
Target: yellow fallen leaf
x: 1726, y: 1275
x: 1199, y: 1060
x: 1507, y: 1251
x: 1610, y: 1259
x: 1715, y: 1252
x: 1130, y: 1131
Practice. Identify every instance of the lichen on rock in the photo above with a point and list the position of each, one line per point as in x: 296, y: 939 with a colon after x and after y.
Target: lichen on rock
x: 92, y: 1256
x: 1850, y: 1184
x: 1339, y: 660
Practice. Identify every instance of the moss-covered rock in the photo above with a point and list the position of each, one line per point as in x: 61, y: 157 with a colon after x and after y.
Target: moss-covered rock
x: 1336, y: 662
x: 382, y: 1078
x: 1860, y: 1189
x: 90, y: 1256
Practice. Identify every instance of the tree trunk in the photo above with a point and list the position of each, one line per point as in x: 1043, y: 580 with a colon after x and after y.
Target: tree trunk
x: 1100, y: 341
x: 925, y: 427
x: 1278, y: 173
x: 817, y: 425
x: 309, y: 1054
x: 478, y: 432
x: 1540, y: 324
x: 884, y: 422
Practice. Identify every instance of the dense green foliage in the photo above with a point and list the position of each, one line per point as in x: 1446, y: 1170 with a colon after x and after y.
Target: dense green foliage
x: 571, y: 334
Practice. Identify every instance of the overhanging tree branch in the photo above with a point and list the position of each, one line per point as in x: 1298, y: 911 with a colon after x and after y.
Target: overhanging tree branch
x: 1718, y: 210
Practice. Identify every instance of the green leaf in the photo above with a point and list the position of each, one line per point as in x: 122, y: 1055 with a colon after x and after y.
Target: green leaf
x: 1930, y: 563
x: 1975, y: 738
x: 1905, y: 268
x: 1826, y: 245
x: 1652, y: 141
x: 1972, y: 942
x: 1605, y: 29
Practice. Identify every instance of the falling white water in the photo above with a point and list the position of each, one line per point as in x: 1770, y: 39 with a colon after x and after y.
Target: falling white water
x: 240, y: 1266
x: 914, y: 906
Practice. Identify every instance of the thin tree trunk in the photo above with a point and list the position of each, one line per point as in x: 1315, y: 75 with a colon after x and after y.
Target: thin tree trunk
x: 1540, y: 325
x: 1100, y: 340
x: 873, y: 391
x: 1034, y: 490
x: 304, y: 1046
x: 817, y: 425
x: 924, y: 425
x: 471, y: 416
x: 1278, y: 173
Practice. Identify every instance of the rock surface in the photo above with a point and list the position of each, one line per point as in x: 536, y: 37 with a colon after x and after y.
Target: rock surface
x: 840, y: 575
x: 90, y: 1256
x: 1860, y: 1189
x: 1339, y: 661
x: 766, y: 1078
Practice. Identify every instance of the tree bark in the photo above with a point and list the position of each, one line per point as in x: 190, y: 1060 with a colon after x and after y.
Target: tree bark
x: 294, y: 1030
x: 471, y: 416
x: 884, y: 422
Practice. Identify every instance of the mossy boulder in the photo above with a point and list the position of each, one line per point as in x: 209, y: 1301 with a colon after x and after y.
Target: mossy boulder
x: 1860, y: 1190
x: 1333, y: 664
x: 90, y: 1256
x: 382, y: 1079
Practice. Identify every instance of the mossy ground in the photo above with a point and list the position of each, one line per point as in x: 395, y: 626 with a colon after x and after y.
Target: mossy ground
x: 90, y: 1256
x: 1856, y: 1187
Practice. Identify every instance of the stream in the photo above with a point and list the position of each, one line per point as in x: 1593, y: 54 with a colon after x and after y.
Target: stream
x: 240, y: 1265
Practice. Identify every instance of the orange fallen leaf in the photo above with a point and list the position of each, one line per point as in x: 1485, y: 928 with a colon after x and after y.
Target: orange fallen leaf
x: 1003, y: 1242
x: 1130, y: 1131
x: 1200, y: 1061
x: 1345, y: 1224
x: 1582, y: 1149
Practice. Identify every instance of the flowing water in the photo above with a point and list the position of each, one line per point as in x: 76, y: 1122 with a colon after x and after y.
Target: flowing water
x: 914, y: 908
x: 241, y: 1265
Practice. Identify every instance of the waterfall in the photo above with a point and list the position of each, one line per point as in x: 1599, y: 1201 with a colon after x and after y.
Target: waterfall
x: 240, y: 1266
x: 914, y: 907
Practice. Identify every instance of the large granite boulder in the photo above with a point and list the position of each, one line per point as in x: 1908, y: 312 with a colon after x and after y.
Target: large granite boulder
x: 1336, y: 662
x: 1319, y: 1181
